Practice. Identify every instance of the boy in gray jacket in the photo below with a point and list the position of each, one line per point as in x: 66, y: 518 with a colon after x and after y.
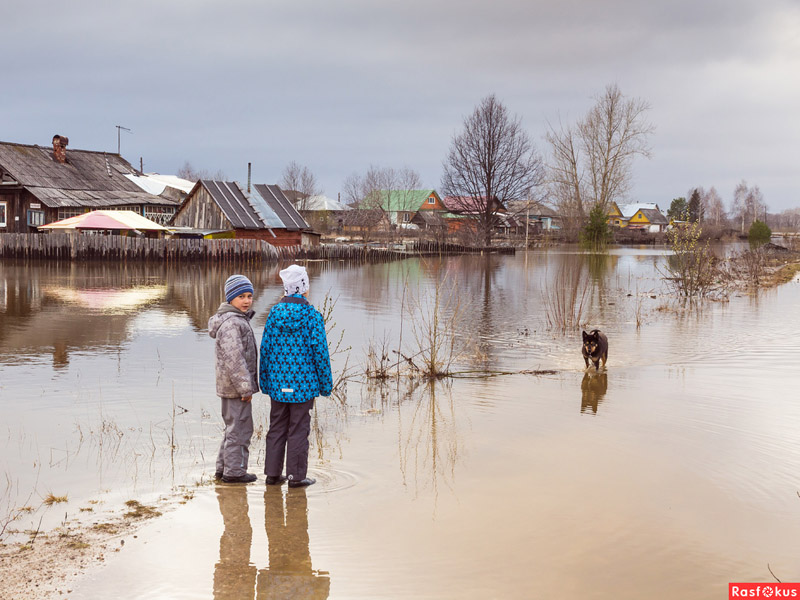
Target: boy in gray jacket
x: 237, y: 377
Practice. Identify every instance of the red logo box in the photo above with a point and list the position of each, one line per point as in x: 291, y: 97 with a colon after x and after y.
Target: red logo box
x: 763, y: 590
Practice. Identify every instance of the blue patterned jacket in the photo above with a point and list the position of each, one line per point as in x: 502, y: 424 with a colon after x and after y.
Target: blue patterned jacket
x: 295, y: 364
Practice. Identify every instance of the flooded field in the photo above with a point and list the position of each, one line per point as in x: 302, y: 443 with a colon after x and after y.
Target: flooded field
x: 667, y: 475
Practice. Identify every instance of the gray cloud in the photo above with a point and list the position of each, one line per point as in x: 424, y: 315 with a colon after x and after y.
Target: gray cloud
x: 339, y: 86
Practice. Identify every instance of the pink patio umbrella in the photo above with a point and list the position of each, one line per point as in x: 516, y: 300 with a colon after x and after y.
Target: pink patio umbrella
x: 106, y: 219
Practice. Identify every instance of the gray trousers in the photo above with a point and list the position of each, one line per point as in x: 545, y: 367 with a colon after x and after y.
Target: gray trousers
x: 235, y: 448
x: 289, y: 426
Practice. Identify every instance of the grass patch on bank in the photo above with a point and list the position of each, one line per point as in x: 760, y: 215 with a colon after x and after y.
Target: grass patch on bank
x: 140, y: 511
x: 51, y: 499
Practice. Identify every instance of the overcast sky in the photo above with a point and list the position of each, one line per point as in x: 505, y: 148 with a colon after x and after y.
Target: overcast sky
x: 338, y: 86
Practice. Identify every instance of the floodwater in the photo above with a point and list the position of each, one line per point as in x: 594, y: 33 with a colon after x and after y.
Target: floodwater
x: 667, y: 475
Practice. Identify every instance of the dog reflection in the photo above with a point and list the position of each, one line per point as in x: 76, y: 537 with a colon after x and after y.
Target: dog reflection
x: 234, y: 576
x: 289, y: 574
x: 593, y: 389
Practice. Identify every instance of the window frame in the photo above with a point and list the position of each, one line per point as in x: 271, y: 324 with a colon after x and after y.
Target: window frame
x: 3, y: 214
x: 39, y: 213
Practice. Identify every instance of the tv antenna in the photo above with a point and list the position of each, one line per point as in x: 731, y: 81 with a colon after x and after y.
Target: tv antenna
x: 119, y: 129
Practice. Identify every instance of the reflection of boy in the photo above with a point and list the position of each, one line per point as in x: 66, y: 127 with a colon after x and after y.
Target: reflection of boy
x: 234, y: 575
x: 237, y: 377
x: 295, y: 369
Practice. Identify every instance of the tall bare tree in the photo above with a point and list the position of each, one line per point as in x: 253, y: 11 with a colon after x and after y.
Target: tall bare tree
x: 748, y: 204
x: 713, y: 208
x: 591, y: 162
x: 299, y: 179
x: 492, y: 160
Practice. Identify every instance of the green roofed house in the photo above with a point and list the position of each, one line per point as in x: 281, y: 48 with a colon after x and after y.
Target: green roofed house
x: 400, y: 206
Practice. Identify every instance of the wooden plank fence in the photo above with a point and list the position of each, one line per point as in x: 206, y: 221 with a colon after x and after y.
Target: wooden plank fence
x: 67, y: 247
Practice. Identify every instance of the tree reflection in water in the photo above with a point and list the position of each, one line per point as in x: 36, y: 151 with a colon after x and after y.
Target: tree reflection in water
x: 429, y: 445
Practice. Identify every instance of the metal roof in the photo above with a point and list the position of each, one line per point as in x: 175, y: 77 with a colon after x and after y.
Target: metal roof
x: 280, y: 204
x: 229, y: 197
x: 265, y: 206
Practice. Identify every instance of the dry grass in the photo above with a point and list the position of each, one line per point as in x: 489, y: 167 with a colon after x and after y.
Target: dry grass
x: 140, y: 511
x: 51, y: 499
x: 436, y: 319
x: 566, y: 298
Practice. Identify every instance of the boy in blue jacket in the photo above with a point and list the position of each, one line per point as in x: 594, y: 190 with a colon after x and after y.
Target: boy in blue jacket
x: 295, y: 368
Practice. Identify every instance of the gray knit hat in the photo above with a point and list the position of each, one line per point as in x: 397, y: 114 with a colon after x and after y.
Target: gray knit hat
x: 236, y: 285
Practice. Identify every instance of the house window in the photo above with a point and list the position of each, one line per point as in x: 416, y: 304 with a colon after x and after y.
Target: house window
x: 159, y: 214
x: 35, y: 218
x: 431, y: 200
x: 406, y: 217
x: 66, y: 213
x: 2, y: 214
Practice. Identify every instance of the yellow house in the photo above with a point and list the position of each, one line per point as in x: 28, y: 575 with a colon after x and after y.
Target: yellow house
x: 615, y: 217
x: 637, y: 216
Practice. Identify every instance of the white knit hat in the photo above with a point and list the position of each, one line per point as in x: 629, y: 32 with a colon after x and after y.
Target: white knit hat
x: 295, y: 280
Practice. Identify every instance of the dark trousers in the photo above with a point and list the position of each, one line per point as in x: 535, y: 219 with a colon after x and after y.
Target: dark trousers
x: 289, y: 427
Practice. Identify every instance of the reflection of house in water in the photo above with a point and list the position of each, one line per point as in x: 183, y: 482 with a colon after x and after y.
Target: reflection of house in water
x: 55, y: 310
x: 290, y: 574
x: 198, y: 289
x: 593, y: 390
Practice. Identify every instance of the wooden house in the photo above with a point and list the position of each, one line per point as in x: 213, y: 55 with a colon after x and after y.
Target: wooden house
x: 465, y: 212
x: 400, y: 206
x: 539, y: 217
x: 637, y: 216
x: 40, y: 185
x: 259, y: 212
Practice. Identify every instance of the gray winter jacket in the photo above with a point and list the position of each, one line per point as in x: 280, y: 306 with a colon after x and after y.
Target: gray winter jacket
x: 235, y: 352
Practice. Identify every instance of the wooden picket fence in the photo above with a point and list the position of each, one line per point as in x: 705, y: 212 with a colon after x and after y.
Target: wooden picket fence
x: 114, y: 248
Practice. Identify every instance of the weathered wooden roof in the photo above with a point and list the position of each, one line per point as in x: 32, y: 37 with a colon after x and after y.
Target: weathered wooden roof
x: 264, y: 207
x: 654, y: 216
x: 92, y: 179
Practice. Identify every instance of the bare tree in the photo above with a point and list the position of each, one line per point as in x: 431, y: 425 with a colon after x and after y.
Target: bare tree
x: 713, y: 208
x: 187, y: 171
x: 788, y: 220
x: 381, y: 197
x: 592, y: 162
x: 748, y: 204
x: 300, y: 180
x: 491, y: 161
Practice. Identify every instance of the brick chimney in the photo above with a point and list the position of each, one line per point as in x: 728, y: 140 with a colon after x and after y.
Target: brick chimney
x: 60, y: 148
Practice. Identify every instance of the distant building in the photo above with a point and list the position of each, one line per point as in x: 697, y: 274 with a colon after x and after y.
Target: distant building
x: 40, y: 185
x: 263, y: 213
x: 638, y: 216
x: 400, y: 206
x: 465, y: 213
x: 540, y: 218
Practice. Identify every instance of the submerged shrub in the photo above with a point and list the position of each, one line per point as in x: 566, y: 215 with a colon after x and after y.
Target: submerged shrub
x: 596, y: 234
x: 759, y: 234
x: 691, y: 271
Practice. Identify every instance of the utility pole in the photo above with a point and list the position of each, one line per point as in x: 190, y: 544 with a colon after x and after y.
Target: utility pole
x: 527, y: 218
x: 119, y: 129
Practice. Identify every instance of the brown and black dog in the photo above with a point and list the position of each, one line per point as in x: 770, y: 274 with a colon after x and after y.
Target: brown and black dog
x: 595, y: 347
